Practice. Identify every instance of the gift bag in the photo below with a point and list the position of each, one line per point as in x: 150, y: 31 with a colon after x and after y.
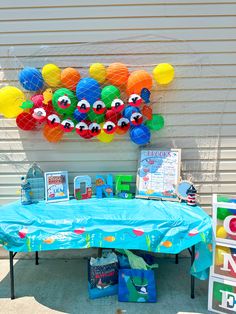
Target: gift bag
x: 136, y: 285
x: 103, y: 276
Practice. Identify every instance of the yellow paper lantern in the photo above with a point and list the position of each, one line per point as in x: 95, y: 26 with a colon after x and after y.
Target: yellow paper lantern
x: 164, y: 73
x: 219, y: 257
x: 11, y: 99
x: 104, y: 137
x: 98, y: 72
x: 52, y: 75
x: 221, y: 232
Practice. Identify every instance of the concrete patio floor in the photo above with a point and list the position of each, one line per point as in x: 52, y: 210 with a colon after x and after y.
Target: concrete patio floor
x: 60, y: 286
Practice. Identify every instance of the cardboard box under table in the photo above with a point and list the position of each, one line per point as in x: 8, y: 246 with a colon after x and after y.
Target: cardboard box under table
x: 154, y: 226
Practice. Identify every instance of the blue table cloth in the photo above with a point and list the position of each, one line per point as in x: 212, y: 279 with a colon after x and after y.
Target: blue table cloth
x: 155, y: 226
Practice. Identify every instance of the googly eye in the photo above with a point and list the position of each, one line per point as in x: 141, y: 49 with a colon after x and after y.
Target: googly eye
x: 135, y: 100
x: 67, y: 125
x: 136, y: 118
x: 53, y: 120
x: 83, y: 106
x: 99, y: 107
x: 117, y: 105
x: 109, y: 127
x: 64, y: 102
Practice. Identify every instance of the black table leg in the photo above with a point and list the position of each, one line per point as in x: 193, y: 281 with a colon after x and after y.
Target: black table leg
x: 36, y: 258
x: 11, y: 256
x: 192, y: 277
x: 176, y: 258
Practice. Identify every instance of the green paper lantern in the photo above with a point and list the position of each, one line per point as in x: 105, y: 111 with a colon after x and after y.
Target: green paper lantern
x: 222, y: 213
x: 108, y: 94
x: 156, y: 123
x: 64, y: 101
x: 93, y: 117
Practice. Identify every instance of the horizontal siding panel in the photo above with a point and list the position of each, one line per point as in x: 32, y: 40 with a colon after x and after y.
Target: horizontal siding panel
x: 119, y: 11
x: 83, y: 155
x: 110, y: 166
x: 121, y: 23
x: 61, y: 3
x: 185, y: 143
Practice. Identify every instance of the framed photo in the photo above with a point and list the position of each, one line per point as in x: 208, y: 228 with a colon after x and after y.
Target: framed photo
x: 158, y: 174
x: 56, y: 186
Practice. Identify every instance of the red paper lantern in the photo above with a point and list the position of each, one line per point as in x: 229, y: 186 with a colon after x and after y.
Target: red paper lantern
x: 25, y: 121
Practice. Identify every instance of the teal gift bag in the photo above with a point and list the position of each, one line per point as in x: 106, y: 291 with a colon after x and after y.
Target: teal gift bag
x: 136, y: 285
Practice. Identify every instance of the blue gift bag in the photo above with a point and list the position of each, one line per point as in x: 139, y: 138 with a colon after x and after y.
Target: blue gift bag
x: 136, y: 285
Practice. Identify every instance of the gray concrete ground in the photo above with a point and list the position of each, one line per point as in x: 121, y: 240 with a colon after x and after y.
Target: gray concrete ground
x: 59, y: 285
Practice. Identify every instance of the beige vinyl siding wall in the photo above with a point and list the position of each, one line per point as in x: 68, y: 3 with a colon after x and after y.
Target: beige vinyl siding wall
x: 198, y: 37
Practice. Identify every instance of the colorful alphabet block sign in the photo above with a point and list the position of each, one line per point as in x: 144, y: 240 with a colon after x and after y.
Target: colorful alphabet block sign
x: 222, y: 283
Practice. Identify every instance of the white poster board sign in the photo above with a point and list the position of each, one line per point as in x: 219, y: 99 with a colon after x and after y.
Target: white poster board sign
x: 158, y: 174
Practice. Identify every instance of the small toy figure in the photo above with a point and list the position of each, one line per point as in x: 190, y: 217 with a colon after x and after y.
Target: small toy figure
x: 25, y: 192
x: 191, y: 196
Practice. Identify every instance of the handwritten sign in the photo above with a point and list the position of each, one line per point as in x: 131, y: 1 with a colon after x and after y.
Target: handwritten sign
x: 158, y: 174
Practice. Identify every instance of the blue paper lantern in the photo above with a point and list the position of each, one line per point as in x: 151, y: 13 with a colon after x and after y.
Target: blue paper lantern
x: 31, y: 79
x: 129, y: 110
x: 79, y: 116
x: 88, y: 89
x: 140, y: 135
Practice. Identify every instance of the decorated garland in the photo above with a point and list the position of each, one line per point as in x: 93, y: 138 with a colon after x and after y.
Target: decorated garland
x: 110, y: 102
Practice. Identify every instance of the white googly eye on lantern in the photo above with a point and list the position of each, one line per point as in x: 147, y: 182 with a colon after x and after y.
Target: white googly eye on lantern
x: 39, y: 114
x: 117, y: 105
x: 123, y: 124
x: 136, y: 118
x: 109, y: 127
x: 67, y: 125
x: 94, y: 129
x: 64, y: 102
x: 99, y: 107
x: 53, y: 120
x: 81, y: 128
x: 83, y: 106
x: 135, y: 100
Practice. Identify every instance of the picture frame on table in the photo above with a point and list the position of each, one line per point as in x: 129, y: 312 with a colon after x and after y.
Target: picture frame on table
x: 56, y: 186
x: 158, y: 174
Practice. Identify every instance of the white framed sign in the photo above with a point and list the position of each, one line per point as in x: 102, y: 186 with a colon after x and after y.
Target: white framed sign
x: 56, y: 186
x: 158, y: 174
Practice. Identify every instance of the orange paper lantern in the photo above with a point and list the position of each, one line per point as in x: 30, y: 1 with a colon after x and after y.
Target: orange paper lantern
x: 117, y: 74
x: 53, y: 135
x: 70, y: 78
x: 137, y: 81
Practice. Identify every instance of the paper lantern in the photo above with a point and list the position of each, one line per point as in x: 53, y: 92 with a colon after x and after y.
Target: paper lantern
x: 98, y: 72
x: 164, y: 73
x: 25, y: 121
x: 78, y: 115
x: 127, y: 113
x: 70, y: 78
x: 123, y: 125
x: 117, y: 74
x: 11, y: 99
x: 53, y: 135
x: 93, y: 117
x: 137, y: 81
x: 108, y: 94
x: 156, y: 123
x: 37, y: 100
x: 64, y: 101
x: 88, y: 89
x: 140, y: 135
x: 221, y: 232
x: 52, y: 75
x: 31, y: 79
x: 104, y: 137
